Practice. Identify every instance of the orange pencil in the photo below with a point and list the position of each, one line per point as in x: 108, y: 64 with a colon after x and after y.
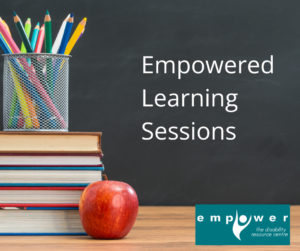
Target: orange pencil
x: 40, y: 40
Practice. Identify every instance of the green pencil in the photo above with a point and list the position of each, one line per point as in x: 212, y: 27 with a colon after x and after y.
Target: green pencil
x: 48, y: 33
x: 22, y: 33
x: 48, y: 49
x: 27, y: 31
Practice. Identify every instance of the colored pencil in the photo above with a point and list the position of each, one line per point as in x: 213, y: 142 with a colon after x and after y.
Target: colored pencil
x: 66, y: 35
x: 8, y: 38
x: 20, y: 123
x: 13, y: 107
x: 6, y: 26
x: 21, y: 93
x: 59, y: 36
x: 27, y: 32
x: 48, y: 49
x: 75, y: 36
x: 16, y: 113
x: 31, y: 108
x: 7, y: 44
x: 35, y: 34
x: 21, y: 97
x: 81, y: 34
x: 28, y: 47
x: 22, y: 33
x: 40, y: 40
x: 48, y: 33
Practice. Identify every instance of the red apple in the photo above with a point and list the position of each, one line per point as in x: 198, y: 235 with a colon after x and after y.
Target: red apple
x: 108, y: 209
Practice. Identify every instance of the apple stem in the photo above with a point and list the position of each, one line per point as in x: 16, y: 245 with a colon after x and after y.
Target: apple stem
x: 104, y: 176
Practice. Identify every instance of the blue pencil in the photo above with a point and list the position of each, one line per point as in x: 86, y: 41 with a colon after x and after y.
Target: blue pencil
x: 66, y: 35
x: 35, y: 34
x: 4, y: 46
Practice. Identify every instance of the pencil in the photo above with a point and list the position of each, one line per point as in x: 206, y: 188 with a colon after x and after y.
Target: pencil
x: 48, y: 49
x: 31, y: 108
x: 28, y: 47
x: 27, y: 31
x: 81, y: 34
x: 35, y: 34
x: 22, y: 33
x: 59, y: 36
x: 48, y: 33
x: 40, y: 40
x: 21, y: 97
x: 6, y: 26
x: 13, y: 106
x: 14, y: 111
x: 8, y: 38
x: 66, y: 35
x: 7, y: 44
x: 59, y: 63
x: 75, y: 36
x: 21, y: 93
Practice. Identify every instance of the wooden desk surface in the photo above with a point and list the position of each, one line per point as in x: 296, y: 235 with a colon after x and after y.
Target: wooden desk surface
x: 156, y: 228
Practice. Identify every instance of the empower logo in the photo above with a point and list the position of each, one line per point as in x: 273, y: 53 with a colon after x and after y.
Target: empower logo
x: 242, y: 225
x: 237, y: 229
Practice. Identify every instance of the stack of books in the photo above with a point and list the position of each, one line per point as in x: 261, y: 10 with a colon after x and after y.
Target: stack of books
x: 42, y: 176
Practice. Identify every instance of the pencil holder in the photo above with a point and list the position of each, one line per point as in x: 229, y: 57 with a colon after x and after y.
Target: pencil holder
x: 35, y: 92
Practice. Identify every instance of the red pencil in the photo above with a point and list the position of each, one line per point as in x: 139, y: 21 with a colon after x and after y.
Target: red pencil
x: 40, y: 40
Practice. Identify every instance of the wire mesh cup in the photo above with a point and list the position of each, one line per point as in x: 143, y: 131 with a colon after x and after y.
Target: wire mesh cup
x: 35, y: 92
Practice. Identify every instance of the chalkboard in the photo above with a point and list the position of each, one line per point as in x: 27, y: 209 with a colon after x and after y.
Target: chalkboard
x: 106, y: 94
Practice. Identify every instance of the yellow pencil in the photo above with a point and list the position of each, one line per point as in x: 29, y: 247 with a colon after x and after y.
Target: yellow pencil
x: 75, y: 36
x: 6, y: 26
x: 22, y: 99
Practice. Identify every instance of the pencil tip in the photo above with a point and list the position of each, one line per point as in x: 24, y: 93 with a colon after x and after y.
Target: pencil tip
x: 47, y: 13
x: 29, y: 19
x: 85, y: 19
x: 38, y: 24
x: 14, y: 13
x: 72, y: 14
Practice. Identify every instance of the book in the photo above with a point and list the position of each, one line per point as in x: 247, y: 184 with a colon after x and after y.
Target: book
x: 39, y: 221
x: 50, y: 160
x: 50, y: 142
x: 40, y: 196
x: 49, y: 176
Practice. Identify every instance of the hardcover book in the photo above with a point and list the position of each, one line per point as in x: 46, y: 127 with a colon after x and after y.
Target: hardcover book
x: 49, y: 176
x: 40, y: 221
x: 40, y: 196
x: 50, y: 160
x: 50, y: 142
